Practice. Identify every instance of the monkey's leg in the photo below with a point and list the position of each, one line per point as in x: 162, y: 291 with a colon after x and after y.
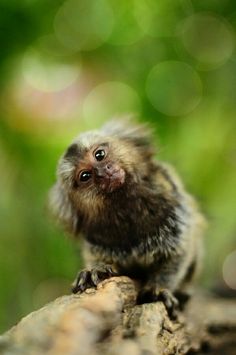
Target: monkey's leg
x: 185, y: 289
x: 162, y: 284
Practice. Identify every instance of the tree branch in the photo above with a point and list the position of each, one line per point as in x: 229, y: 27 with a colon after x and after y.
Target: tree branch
x: 107, y: 321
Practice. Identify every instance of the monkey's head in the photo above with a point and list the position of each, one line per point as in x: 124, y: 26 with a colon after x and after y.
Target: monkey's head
x: 96, y: 168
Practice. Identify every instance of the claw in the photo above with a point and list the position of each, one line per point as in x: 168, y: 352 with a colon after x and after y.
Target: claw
x: 81, y: 281
x: 171, y: 303
x: 91, y: 278
x: 95, y: 278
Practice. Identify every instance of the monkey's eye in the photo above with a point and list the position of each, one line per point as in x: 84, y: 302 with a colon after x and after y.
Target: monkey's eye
x: 85, y: 176
x: 100, y: 154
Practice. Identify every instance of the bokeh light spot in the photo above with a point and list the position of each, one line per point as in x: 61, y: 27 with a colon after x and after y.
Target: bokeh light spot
x: 208, y: 39
x: 83, y: 25
x: 110, y: 99
x: 229, y: 270
x: 159, y: 18
x: 46, y: 75
x: 126, y: 29
x: 174, y: 88
x: 50, y: 45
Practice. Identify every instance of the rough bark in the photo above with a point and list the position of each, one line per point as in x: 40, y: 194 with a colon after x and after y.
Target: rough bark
x: 107, y: 321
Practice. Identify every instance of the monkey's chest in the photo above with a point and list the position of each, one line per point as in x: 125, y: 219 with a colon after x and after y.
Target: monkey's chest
x: 123, y: 236
x: 132, y: 259
x: 131, y: 241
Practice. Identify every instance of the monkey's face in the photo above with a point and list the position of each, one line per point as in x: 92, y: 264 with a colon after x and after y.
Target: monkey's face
x: 96, y: 168
x: 93, y: 166
x: 103, y: 164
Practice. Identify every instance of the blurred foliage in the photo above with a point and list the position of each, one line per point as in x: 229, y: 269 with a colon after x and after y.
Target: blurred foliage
x: 67, y: 66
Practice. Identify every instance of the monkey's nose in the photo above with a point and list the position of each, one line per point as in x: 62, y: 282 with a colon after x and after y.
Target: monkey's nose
x: 104, y: 171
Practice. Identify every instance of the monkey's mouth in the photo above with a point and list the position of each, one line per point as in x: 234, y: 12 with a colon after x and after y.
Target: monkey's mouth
x: 113, y: 182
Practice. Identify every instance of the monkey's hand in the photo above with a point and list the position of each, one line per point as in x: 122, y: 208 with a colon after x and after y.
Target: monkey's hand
x: 91, y: 278
x: 153, y: 294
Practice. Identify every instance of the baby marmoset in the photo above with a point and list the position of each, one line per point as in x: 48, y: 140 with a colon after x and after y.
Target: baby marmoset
x: 131, y: 210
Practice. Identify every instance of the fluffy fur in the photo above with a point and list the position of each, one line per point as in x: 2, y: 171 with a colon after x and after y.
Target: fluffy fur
x: 138, y: 221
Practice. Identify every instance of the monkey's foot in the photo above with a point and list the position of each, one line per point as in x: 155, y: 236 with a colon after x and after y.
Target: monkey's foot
x: 91, y: 278
x: 152, y: 295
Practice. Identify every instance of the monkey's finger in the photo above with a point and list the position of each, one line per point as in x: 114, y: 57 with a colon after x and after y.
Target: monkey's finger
x: 82, y: 282
x: 167, y: 297
x: 111, y: 271
x: 98, y: 276
x: 95, y: 277
x: 170, y: 302
x: 75, y: 289
x: 101, y: 273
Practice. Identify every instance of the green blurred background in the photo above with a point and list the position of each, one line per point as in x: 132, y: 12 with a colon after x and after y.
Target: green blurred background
x: 67, y: 66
